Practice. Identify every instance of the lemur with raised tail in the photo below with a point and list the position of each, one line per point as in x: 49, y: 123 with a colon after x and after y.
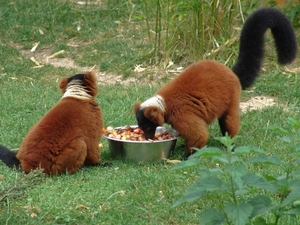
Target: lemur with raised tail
x: 208, y: 90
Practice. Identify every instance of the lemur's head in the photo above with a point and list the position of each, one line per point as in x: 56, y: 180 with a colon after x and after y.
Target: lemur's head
x: 150, y: 115
x: 82, y: 86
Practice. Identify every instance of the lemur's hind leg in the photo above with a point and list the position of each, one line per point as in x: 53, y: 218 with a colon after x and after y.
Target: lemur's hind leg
x: 230, y: 121
x: 93, y: 156
x: 71, y: 158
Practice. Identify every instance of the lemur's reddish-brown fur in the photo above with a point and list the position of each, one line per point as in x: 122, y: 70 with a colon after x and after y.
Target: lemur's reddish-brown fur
x: 209, y: 90
x: 201, y: 93
x: 67, y: 136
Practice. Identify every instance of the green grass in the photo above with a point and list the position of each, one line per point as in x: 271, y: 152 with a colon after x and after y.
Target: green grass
x: 113, y: 38
x: 92, y: 197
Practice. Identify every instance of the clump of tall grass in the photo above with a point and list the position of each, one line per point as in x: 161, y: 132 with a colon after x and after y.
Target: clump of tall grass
x: 185, y: 31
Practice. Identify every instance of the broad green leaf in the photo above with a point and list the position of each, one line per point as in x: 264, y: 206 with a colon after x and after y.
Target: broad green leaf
x: 234, y: 159
x: 269, y: 177
x: 297, y: 147
x: 204, y: 172
x: 297, y: 161
x: 221, y: 159
x: 294, y: 183
x: 265, y: 159
x: 293, y: 196
x: 226, y: 140
x: 282, y: 178
x: 295, y: 154
x: 198, y: 189
x: 207, y: 152
x: 239, y: 214
x: 254, y: 180
x: 285, y: 139
x: 247, y: 150
x: 288, y: 166
x: 189, y: 198
x: 227, y: 187
x: 209, y: 184
x: 212, y: 217
x: 278, y: 130
x: 296, y: 204
x: 242, y: 191
x: 186, y: 163
x: 293, y: 211
x: 237, y: 172
x: 296, y: 174
x: 261, y: 204
x: 281, y: 185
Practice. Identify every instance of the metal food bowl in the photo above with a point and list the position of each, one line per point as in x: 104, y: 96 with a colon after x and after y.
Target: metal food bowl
x: 143, y: 151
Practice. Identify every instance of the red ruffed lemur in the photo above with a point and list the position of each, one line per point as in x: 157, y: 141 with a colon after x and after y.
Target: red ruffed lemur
x: 208, y: 90
x: 67, y: 136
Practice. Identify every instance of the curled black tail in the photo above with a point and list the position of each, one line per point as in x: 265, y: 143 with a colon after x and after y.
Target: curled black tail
x: 251, y: 50
x: 9, y: 157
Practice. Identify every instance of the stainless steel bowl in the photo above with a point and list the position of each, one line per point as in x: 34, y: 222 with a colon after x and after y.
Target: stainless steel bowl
x: 143, y: 151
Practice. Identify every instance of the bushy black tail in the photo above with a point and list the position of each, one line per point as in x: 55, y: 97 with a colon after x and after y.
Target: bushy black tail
x: 9, y: 157
x: 251, y: 50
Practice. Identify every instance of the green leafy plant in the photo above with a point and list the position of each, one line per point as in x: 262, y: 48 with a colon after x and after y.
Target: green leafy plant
x: 242, y: 194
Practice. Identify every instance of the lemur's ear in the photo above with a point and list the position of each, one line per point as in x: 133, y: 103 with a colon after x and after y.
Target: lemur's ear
x: 136, y: 107
x: 63, y: 83
x: 154, y: 114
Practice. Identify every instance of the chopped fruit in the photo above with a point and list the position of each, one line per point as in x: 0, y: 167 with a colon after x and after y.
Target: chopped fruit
x: 133, y: 134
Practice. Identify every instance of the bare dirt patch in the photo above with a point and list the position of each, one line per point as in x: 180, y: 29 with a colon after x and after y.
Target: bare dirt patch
x: 257, y: 103
x: 44, y: 57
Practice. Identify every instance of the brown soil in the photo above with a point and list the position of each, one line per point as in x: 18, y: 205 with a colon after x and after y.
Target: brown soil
x: 44, y: 57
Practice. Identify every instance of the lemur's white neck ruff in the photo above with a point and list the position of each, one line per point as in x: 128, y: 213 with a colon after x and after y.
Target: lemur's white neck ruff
x: 157, y: 101
x: 76, y: 90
